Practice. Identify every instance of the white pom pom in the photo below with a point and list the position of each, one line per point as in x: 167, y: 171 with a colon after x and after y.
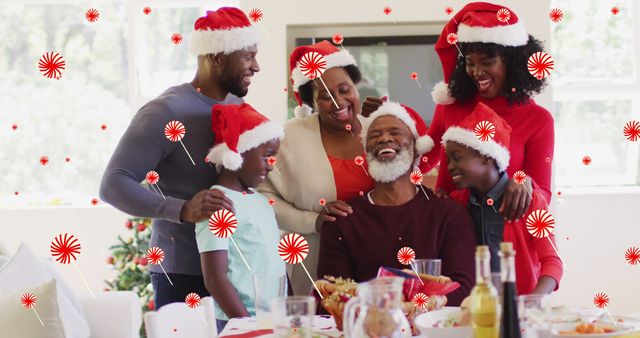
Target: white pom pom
x: 440, y: 94
x: 424, y: 144
x: 302, y: 111
x: 232, y: 160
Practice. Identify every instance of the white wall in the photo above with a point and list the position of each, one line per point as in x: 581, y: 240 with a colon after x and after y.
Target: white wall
x: 600, y: 227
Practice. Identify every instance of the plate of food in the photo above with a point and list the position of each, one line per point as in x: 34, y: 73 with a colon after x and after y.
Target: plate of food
x: 448, y: 322
x: 592, y: 330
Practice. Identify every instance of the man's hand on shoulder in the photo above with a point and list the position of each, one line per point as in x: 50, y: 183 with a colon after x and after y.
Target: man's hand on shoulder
x: 203, y: 204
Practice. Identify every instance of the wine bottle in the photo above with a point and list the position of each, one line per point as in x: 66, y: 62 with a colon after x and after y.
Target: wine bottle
x: 510, y: 323
x: 484, y: 298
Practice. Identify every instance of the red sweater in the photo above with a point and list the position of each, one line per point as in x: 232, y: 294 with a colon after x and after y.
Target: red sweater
x: 535, y: 257
x: 532, y: 139
x: 357, y: 245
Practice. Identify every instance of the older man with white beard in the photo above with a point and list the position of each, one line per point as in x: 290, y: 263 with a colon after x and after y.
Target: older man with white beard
x: 397, y: 213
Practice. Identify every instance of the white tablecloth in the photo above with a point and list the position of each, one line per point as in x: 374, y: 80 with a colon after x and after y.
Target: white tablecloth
x: 323, y: 326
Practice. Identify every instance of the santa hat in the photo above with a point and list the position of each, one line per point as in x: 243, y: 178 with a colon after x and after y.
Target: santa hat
x: 410, y: 117
x: 334, y: 58
x: 496, y: 148
x: 239, y: 128
x: 475, y: 22
x: 226, y: 30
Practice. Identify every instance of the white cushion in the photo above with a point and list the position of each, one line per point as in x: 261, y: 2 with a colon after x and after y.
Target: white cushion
x: 19, y: 322
x: 24, y: 270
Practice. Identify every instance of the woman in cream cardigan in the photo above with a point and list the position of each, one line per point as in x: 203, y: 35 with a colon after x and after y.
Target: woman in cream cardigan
x: 317, y: 157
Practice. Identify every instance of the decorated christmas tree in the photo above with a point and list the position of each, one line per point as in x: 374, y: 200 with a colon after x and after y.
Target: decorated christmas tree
x: 128, y: 257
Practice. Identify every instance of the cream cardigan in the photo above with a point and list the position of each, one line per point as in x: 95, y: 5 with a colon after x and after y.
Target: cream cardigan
x: 303, y: 176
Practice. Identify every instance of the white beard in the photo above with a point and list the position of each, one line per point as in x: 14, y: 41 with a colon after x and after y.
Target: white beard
x: 385, y: 172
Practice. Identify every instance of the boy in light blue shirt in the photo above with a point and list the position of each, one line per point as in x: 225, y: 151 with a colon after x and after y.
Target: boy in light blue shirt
x: 244, y: 141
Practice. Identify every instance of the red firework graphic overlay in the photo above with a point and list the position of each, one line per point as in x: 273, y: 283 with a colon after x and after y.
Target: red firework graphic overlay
x: 28, y: 300
x: 586, y: 160
x: 632, y: 255
x: 503, y: 15
x: 601, y: 300
x: 416, y: 177
x: 420, y: 301
x: 414, y: 76
x: 485, y: 131
x: 103, y: 127
x: 272, y: 202
x: 322, y: 202
x: 146, y: 10
x: 556, y: 15
x: 615, y: 10
x: 448, y: 10
x: 44, y: 160
x: 632, y: 130
x: 192, y: 300
x: 255, y: 15
x: 387, y: 10
x: 14, y: 127
x: 223, y: 223
x: 152, y: 177
x: 67, y: 159
x: 155, y: 255
x: 519, y: 177
x: 540, y: 223
x: 293, y: 248
x: 359, y: 160
x: 92, y: 15
x: 313, y: 65
x: 174, y: 131
x: 406, y: 255
x: 337, y: 38
x: 94, y: 201
x: 271, y: 160
x: 176, y: 38
x: 64, y: 248
x: 540, y: 65
x: 452, y: 38
x: 51, y: 65
x: 489, y: 201
x: 347, y: 127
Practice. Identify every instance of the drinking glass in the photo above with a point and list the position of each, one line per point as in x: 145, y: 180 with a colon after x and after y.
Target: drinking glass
x: 293, y: 316
x: 428, y: 266
x: 267, y: 287
x: 533, y: 311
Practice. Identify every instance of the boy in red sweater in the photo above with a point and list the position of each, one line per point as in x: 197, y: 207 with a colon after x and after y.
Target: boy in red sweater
x: 477, y: 159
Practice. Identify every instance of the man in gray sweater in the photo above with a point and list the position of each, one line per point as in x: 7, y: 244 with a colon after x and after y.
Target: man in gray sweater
x: 226, y: 46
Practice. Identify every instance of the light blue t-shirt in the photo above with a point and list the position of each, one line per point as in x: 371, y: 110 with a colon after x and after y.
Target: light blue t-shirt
x: 257, y: 236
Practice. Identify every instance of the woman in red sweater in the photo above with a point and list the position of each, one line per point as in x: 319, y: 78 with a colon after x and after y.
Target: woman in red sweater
x: 493, y: 70
x: 490, y: 66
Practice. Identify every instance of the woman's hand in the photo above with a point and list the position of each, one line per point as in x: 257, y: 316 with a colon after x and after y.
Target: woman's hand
x: 441, y: 193
x: 517, y: 199
x: 371, y: 104
x: 336, y: 208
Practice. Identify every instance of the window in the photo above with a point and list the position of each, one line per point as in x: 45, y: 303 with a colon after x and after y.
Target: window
x: 112, y: 67
x: 596, y: 85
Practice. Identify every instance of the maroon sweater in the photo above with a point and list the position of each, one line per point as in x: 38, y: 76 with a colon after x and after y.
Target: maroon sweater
x: 357, y: 245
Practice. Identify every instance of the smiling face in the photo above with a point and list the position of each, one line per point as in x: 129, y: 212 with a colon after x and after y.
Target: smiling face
x: 487, y: 72
x: 467, y: 167
x: 390, y: 149
x: 237, y: 69
x: 345, y: 93
x: 255, y: 166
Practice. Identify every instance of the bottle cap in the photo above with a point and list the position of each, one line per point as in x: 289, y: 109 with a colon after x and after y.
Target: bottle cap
x: 482, y: 251
x: 506, y: 247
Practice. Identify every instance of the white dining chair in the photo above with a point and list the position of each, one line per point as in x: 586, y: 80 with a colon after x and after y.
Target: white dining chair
x: 176, y: 320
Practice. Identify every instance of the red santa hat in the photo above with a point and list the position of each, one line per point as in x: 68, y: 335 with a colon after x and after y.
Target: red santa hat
x: 410, y: 117
x: 334, y: 58
x: 239, y: 128
x: 226, y: 30
x: 476, y: 22
x: 474, y: 128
